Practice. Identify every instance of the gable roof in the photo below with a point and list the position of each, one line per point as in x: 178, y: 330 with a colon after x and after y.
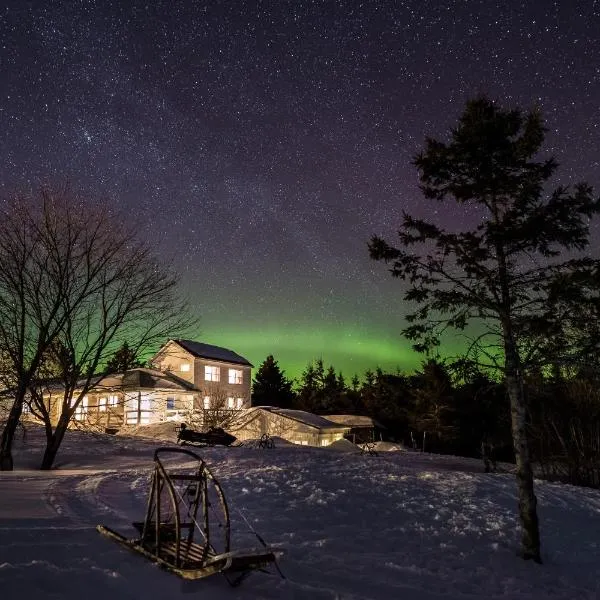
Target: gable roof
x: 200, y: 350
x: 306, y: 418
x: 301, y: 416
x: 144, y: 378
x: 354, y: 421
x: 133, y: 379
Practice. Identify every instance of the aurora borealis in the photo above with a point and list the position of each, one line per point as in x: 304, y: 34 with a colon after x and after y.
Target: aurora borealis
x: 261, y: 144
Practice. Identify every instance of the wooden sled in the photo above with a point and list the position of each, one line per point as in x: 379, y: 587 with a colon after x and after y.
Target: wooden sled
x: 187, y: 527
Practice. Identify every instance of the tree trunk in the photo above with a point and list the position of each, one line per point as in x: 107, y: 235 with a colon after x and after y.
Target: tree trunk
x: 530, y: 534
x: 8, y: 435
x: 53, y: 442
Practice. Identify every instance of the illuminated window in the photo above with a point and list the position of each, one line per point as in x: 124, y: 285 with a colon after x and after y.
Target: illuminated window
x: 184, y: 367
x: 324, y: 442
x: 235, y: 376
x: 239, y: 402
x: 102, y: 405
x: 230, y: 402
x: 81, y: 410
x: 206, y: 402
x: 212, y: 373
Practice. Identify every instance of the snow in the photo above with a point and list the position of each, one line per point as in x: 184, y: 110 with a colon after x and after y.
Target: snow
x: 397, y: 525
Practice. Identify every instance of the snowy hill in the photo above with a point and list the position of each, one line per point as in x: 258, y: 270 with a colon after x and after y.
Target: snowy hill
x: 400, y: 525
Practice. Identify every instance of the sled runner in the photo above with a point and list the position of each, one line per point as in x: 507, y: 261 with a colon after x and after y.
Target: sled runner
x: 187, y: 527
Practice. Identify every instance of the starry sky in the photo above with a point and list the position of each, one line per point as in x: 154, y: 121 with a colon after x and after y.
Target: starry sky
x: 260, y: 144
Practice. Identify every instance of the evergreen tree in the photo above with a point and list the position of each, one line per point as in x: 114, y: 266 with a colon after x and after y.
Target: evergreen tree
x: 123, y: 359
x: 434, y: 410
x: 271, y: 387
x: 323, y: 391
x: 506, y: 271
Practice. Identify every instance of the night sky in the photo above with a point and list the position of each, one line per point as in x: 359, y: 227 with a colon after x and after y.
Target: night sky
x: 261, y: 144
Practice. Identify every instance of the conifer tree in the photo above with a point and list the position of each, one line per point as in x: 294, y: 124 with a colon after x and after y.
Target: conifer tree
x: 507, y: 272
x: 123, y: 359
x: 271, y: 387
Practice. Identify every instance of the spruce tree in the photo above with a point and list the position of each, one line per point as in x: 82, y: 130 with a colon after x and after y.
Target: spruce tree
x: 123, y: 359
x: 271, y: 387
x: 508, y: 272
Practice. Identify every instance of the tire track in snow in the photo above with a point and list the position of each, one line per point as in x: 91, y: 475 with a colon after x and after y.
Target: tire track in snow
x: 89, y: 500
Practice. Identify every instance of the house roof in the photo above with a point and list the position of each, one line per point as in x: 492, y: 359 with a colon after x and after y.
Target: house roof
x: 307, y: 418
x: 142, y: 378
x: 201, y: 350
x: 354, y: 421
x: 301, y: 416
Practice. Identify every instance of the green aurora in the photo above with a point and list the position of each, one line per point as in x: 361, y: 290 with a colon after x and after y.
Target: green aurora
x: 348, y: 351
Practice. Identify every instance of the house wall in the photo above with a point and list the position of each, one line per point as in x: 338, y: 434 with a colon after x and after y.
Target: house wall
x: 291, y: 430
x: 117, y: 408
x: 172, y: 357
x: 220, y: 391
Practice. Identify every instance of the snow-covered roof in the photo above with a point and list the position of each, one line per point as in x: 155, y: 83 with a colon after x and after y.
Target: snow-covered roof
x: 139, y: 378
x: 202, y: 350
x: 301, y: 416
x: 307, y: 418
x: 354, y: 421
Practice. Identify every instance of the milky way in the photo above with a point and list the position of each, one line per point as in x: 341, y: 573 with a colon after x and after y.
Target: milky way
x: 262, y: 145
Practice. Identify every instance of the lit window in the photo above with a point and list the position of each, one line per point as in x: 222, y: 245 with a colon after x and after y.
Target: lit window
x: 206, y: 402
x: 239, y: 402
x: 235, y: 376
x: 184, y: 367
x: 230, y: 402
x: 102, y: 405
x: 324, y: 442
x: 81, y: 410
x: 113, y: 400
x: 145, y: 402
x: 170, y: 403
x: 212, y: 373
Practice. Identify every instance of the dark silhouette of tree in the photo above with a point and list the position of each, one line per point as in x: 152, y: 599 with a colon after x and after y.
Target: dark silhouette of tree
x: 322, y: 391
x: 434, y: 408
x: 482, y: 413
x: 74, y: 279
x: 123, y: 359
x: 271, y: 387
x: 387, y: 398
x: 506, y: 272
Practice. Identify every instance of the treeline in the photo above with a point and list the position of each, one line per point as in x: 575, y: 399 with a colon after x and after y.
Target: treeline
x: 443, y: 407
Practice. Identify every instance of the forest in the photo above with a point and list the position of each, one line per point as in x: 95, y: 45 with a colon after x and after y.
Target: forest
x: 454, y: 408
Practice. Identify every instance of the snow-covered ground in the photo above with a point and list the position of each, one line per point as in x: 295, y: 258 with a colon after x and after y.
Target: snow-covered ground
x: 399, y: 525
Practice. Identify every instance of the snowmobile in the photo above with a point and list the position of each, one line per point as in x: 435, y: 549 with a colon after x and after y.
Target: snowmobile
x: 187, y: 527
x: 215, y: 436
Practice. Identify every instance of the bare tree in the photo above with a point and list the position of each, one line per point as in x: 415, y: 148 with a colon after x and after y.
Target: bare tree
x: 86, y: 284
x: 220, y: 411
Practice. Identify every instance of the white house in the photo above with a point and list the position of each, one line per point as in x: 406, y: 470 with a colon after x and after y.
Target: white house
x: 187, y: 380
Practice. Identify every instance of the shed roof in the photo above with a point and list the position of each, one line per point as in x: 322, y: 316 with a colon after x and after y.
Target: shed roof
x: 202, y: 350
x: 300, y: 416
x: 355, y: 421
x: 306, y: 417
